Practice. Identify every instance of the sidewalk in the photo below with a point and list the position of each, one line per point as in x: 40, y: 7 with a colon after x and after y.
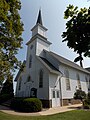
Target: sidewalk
x: 49, y: 111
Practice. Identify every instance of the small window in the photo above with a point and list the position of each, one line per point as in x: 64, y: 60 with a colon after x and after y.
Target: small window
x: 78, y: 81
x: 28, y: 79
x: 57, y: 94
x: 87, y: 82
x: 31, y: 47
x: 53, y: 94
x: 41, y: 79
x: 66, y: 72
x: 30, y: 61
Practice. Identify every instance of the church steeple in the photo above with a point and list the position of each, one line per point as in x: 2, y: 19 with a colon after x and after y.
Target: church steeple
x: 39, y: 19
x: 39, y: 28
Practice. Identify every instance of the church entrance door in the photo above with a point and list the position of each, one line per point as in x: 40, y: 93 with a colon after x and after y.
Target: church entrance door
x: 55, y: 98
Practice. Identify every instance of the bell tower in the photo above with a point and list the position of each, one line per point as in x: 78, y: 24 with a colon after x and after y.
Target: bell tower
x: 39, y: 28
x: 39, y: 38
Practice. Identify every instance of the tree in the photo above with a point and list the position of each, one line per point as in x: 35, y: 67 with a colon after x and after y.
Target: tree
x: 8, y: 86
x: 77, y: 33
x: 11, y: 29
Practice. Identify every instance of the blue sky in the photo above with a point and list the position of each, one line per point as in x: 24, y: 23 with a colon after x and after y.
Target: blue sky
x: 52, y: 14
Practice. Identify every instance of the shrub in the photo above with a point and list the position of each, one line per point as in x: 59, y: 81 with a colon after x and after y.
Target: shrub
x: 5, y: 97
x: 88, y: 96
x: 79, y: 94
x: 26, y: 104
x: 86, y: 104
x: 32, y: 105
x: 17, y: 104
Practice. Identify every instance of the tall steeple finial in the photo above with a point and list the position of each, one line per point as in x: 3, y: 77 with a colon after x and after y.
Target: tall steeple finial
x: 39, y: 20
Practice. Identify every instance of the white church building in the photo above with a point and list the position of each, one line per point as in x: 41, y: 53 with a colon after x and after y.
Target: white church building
x: 48, y: 76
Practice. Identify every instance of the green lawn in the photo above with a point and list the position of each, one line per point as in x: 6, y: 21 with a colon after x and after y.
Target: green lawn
x: 72, y: 115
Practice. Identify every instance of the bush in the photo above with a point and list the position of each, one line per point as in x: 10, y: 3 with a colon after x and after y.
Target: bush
x: 86, y: 104
x: 26, y: 104
x: 79, y: 94
x: 88, y: 96
x: 17, y: 104
x: 5, y: 97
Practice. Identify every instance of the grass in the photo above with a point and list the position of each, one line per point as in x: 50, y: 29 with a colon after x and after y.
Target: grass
x: 72, y: 115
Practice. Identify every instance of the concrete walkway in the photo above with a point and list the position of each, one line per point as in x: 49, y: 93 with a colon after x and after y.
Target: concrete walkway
x: 49, y: 111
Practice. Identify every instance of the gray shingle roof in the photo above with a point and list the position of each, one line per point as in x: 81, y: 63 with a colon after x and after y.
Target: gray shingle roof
x: 48, y: 65
x: 88, y: 69
x: 67, y: 62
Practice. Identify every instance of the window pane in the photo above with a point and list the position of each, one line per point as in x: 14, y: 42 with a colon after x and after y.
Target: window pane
x: 30, y: 61
x: 28, y: 79
x: 53, y: 94
x: 78, y: 81
x: 57, y: 94
x: 66, y: 72
x: 41, y: 79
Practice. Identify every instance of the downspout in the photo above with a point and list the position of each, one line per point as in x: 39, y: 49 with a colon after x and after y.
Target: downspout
x: 60, y: 90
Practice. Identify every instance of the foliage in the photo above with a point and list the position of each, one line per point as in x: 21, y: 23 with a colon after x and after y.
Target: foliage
x: 5, y: 97
x: 79, y: 94
x: 8, y: 86
x: 26, y: 104
x: 17, y: 104
x: 77, y: 33
x: 11, y: 29
x: 88, y: 96
x: 86, y: 104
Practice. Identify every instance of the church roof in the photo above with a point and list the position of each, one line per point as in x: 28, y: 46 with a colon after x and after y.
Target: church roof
x: 49, y: 66
x: 39, y: 19
x: 88, y: 69
x: 67, y: 62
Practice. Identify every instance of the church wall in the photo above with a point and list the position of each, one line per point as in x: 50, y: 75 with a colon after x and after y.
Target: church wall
x: 67, y: 94
x: 40, y: 46
x: 20, y: 92
x: 53, y: 83
x: 31, y: 50
x: 42, y: 93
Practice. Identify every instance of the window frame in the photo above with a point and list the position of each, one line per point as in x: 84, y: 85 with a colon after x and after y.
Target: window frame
x: 78, y: 81
x: 30, y: 61
x: 67, y: 80
x: 41, y: 76
x: 20, y: 82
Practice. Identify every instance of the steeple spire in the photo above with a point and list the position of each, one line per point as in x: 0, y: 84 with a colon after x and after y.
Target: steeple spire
x: 39, y: 19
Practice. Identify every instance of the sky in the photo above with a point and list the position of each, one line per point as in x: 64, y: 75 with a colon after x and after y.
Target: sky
x: 53, y: 19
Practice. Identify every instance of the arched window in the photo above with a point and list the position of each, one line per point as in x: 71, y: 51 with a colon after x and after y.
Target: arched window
x: 41, y: 78
x: 87, y: 82
x: 78, y: 81
x: 30, y: 61
x: 66, y: 72
x: 20, y: 81
x: 29, y: 78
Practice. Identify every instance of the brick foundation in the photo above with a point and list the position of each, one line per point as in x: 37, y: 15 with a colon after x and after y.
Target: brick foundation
x: 70, y: 101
